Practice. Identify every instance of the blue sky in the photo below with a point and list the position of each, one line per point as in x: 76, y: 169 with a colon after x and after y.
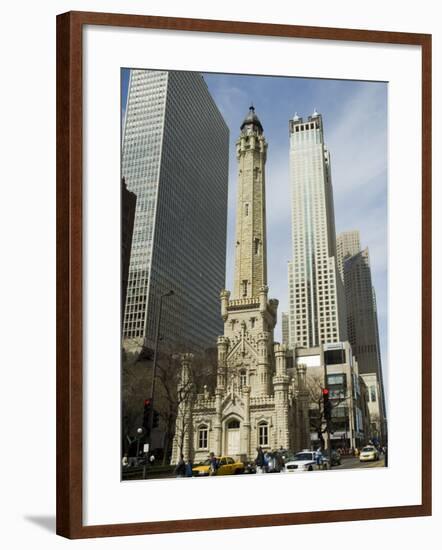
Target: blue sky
x: 355, y: 130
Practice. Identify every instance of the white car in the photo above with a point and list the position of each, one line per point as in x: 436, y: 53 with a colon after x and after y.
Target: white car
x: 305, y: 461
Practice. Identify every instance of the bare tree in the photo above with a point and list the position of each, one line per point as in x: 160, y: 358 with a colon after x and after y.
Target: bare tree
x: 169, y: 394
x: 172, y: 393
x: 136, y: 377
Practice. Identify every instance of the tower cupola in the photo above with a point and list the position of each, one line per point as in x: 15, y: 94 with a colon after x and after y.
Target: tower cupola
x: 251, y: 123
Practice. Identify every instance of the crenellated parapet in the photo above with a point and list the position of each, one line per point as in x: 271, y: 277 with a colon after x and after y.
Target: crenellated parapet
x: 204, y: 403
x: 280, y: 380
x: 262, y: 401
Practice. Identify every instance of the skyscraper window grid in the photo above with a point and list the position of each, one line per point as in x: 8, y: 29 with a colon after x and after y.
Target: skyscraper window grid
x: 317, y: 309
x: 175, y: 158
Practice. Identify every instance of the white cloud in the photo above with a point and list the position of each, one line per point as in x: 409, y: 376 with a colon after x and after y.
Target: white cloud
x: 358, y: 140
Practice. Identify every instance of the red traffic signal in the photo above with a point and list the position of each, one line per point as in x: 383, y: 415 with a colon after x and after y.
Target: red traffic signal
x: 327, y: 404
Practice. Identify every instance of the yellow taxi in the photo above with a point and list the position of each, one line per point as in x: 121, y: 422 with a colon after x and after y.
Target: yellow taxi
x: 368, y: 453
x: 226, y: 466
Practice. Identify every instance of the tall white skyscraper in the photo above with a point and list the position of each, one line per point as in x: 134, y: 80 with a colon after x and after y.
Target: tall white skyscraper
x: 317, y: 301
x: 175, y: 159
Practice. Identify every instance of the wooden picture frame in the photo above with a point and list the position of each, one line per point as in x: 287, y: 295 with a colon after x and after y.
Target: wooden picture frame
x: 70, y: 269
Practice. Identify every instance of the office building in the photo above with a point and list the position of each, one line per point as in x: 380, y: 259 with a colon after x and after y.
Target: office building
x: 128, y: 206
x: 317, y: 301
x: 175, y: 159
x: 363, y: 333
x: 335, y: 367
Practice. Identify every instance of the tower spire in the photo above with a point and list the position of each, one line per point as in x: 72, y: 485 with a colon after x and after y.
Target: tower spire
x: 250, y: 256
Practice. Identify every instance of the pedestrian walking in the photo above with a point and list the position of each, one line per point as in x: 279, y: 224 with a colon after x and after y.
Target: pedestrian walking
x: 180, y: 469
x: 188, y: 470
x: 259, y: 461
x: 280, y: 465
x: 151, y: 459
x: 268, y: 462
x: 213, y: 464
x: 319, y: 457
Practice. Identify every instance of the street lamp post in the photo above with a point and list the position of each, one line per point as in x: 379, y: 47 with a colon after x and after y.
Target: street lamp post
x: 140, y: 433
x: 328, y: 422
x: 154, y: 369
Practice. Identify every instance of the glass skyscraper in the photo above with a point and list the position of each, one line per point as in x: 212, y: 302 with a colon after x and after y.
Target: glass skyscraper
x: 317, y: 301
x: 363, y: 331
x: 175, y: 159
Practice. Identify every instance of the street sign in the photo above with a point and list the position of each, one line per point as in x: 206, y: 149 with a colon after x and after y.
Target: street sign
x: 146, y: 447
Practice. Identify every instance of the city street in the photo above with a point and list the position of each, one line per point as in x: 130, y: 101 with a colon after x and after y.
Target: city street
x: 354, y: 462
x: 168, y: 471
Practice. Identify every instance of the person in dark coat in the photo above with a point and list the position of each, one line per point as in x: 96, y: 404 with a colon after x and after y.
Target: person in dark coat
x: 188, y: 468
x: 213, y: 464
x: 180, y: 469
x: 260, y: 461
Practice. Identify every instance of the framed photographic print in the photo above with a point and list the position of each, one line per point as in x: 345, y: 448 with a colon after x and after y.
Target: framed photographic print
x: 243, y: 274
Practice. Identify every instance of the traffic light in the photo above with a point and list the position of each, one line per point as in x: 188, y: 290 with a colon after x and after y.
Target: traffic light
x: 327, y: 404
x: 146, y: 413
x: 155, y: 419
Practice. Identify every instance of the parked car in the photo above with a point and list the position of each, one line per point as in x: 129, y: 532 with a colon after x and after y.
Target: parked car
x: 226, y: 466
x: 304, y: 461
x: 368, y: 453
